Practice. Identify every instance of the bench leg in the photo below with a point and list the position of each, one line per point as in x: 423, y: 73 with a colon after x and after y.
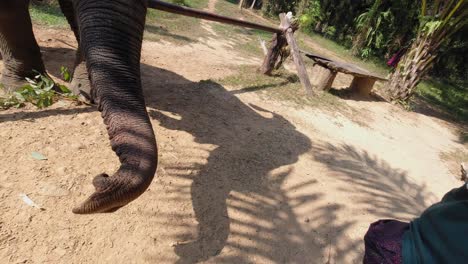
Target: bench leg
x: 362, y: 85
x: 323, y: 78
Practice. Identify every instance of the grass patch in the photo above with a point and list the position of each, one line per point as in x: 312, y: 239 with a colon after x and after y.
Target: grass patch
x: 247, y: 39
x: 47, y: 14
x: 283, y: 85
x: 172, y: 27
x: 374, y: 65
x: 453, y: 99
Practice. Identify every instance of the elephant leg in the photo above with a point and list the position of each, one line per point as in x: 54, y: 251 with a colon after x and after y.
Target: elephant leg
x: 20, y: 52
x: 80, y: 84
x: 111, y: 33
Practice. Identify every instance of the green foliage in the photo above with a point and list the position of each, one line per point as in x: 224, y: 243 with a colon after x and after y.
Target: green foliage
x: 40, y: 91
x: 384, y: 28
x: 330, y: 31
x: 452, y: 64
x: 66, y: 75
x: 311, y: 16
x: 377, y: 36
x: 275, y: 7
x: 437, y: 24
x: 48, y: 14
x: 179, y: 2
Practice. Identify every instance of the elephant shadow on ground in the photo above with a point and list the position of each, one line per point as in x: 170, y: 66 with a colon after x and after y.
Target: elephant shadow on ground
x: 250, y: 143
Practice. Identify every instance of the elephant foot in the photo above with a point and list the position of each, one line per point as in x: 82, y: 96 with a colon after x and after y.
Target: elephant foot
x: 80, y: 84
x: 10, y: 83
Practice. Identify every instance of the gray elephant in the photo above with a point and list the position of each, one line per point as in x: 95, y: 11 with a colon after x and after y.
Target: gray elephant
x: 109, y: 33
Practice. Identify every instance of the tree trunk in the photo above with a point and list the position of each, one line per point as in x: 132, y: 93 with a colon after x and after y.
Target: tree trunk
x: 241, y: 4
x: 413, y: 66
x: 278, y: 42
x: 253, y: 4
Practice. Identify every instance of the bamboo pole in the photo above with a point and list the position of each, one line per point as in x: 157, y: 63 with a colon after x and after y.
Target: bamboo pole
x: 186, y: 11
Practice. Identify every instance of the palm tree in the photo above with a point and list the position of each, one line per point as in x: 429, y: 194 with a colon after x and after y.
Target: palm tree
x: 438, y: 21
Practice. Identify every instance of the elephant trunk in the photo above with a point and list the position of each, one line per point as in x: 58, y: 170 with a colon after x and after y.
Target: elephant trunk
x: 111, y: 35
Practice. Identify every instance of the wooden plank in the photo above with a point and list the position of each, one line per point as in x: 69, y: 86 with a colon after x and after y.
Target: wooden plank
x: 314, y: 56
x: 347, y: 68
x: 300, y: 66
x: 186, y: 11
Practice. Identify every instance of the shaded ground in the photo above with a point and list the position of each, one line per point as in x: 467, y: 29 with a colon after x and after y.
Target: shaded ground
x: 243, y: 177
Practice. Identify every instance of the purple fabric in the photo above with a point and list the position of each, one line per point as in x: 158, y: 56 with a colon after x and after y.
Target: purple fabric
x: 395, y: 59
x: 383, y: 242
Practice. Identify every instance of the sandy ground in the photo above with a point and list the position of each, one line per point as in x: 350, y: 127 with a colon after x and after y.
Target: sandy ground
x: 240, y: 179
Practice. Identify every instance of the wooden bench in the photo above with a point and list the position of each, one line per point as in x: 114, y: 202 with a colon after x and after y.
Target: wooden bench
x: 326, y: 70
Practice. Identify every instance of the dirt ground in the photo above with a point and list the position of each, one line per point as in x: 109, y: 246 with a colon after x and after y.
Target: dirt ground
x: 240, y: 179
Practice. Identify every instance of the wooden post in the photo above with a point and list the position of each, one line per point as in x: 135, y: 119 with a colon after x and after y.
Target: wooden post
x: 300, y: 66
x: 362, y: 85
x: 277, y: 44
x: 323, y: 77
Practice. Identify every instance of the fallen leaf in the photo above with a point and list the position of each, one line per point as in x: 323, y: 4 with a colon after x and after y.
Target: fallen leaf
x: 38, y: 156
x: 30, y: 202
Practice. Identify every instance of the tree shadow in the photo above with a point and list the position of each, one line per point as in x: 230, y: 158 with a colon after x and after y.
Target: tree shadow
x: 385, y: 191
x: 373, y: 187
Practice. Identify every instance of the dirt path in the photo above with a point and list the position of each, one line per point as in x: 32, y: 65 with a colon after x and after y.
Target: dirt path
x: 212, y: 5
x: 240, y: 179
